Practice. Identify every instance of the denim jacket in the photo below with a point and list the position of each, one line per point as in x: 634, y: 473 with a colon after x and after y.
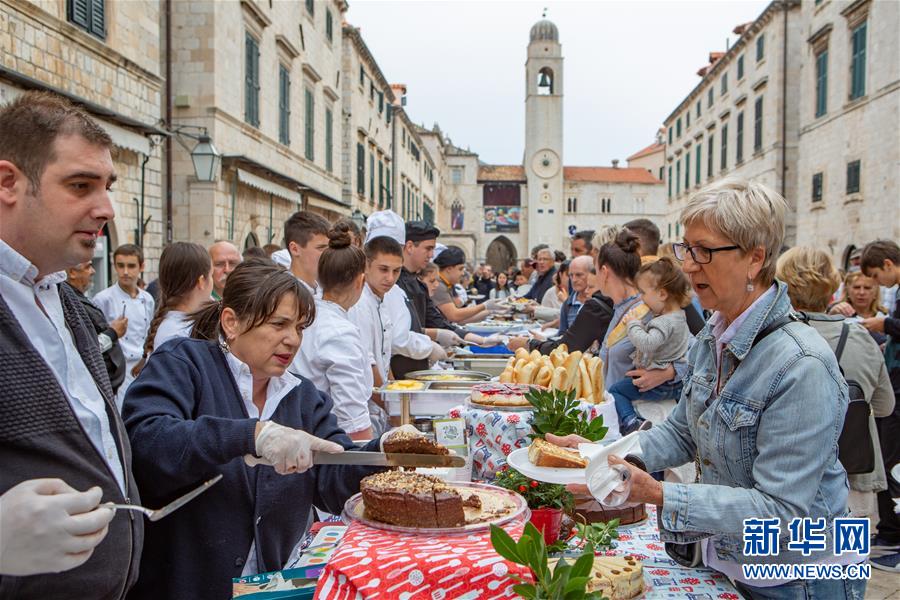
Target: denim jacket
x: 766, y: 445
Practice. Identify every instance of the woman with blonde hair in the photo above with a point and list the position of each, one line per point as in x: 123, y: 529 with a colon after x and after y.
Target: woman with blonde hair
x: 811, y: 280
x: 861, y: 299
x: 761, y: 410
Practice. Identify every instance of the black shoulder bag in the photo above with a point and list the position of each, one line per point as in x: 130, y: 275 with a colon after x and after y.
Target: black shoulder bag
x: 856, y: 450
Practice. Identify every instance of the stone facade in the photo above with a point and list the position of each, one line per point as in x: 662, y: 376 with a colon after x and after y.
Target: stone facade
x: 115, y: 73
x: 841, y: 131
x: 275, y: 161
x: 741, y: 119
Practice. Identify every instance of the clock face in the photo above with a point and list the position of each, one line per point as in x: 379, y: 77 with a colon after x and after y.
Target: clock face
x: 545, y: 163
x: 545, y: 198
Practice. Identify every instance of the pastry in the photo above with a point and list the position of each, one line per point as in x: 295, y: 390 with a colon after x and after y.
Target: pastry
x: 544, y: 454
x: 500, y: 394
x: 407, y: 442
x: 617, y: 577
x: 405, y: 385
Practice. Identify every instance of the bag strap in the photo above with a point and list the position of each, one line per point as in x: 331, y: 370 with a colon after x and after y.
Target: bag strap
x: 774, y: 326
x: 845, y: 329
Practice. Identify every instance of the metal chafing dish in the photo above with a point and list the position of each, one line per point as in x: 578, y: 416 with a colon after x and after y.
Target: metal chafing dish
x: 434, y: 398
x: 454, y: 375
x: 484, y: 363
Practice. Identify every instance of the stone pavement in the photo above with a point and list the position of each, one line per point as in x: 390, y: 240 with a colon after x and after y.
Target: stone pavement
x: 883, y: 586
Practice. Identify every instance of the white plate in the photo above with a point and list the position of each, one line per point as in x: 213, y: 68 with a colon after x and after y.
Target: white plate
x: 518, y: 460
x: 895, y: 472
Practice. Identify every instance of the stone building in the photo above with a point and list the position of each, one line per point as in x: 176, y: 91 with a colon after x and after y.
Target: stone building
x: 263, y: 80
x: 653, y: 157
x: 104, y: 56
x: 499, y: 212
x: 414, y: 175
x: 741, y: 118
x: 848, y: 167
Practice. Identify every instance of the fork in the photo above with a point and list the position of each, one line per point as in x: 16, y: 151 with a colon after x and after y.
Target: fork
x: 156, y: 515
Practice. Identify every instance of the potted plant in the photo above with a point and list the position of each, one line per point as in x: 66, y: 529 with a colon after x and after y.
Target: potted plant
x: 557, y: 412
x: 547, y: 501
x: 561, y: 581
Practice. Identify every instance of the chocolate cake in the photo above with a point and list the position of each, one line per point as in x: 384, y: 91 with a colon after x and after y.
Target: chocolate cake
x: 412, y: 500
x: 410, y: 443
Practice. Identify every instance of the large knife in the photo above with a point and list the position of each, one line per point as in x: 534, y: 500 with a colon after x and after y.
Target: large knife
x: 374, y: 459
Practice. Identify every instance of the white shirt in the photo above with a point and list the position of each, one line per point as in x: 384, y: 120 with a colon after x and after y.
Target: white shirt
x: 332, y: 357
x: 405, y: 341
x: 277, y: 389
x: 174, y: 325
x: 375, y: 329
x: 114, y: 302
x: 47, y: 331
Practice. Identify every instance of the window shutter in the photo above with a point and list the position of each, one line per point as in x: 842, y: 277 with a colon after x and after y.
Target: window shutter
x: 739, y: 148
x: 709, y: 157
x: 329, y: 140
x: 310, y: 126
x: 757, y: 125
x: 687, y: 171
x: 697, y: 166
x: 98, y: 18
x: 78, y: 12
x: 360, y: 170
x: 822, y: 83
x: 723, y: 159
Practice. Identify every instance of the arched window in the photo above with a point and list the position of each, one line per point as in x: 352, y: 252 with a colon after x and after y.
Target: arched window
x: 545, y: 82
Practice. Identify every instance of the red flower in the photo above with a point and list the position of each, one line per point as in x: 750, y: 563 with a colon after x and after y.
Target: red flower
x: 654, y: 546
x: 512, y: 418
x: 729, y: 596
x: 522, y: 488
x: 659, y: 572
x: 534, y: 484
x: 506, y: 449
x: 454, y: 414
x: 624, y: 537
x: 691, y: 580
x: 481, y: 429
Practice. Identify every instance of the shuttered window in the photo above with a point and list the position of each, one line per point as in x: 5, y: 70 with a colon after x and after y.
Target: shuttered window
x: 821, y: 83
x: 687, y: 171
x: 251, y: 81
x: 723, y: 158
x: 817, y: 187
x: 329, y: 26
x: 739, y: 142
x: 372, y: 177
x: 858, y: 62
x: 760, y: 48
x: 670, y: 181
x: 380, y: 184
x: 284, y: 106
x: 329, y: 140
x: 697, y: 165
x: 853, y: 177
x: 89, y: 15
x: 678, y: 177
x: 709, y: 156
x: 757, y: 125
x: 360, y: 169
x: 310, y: 126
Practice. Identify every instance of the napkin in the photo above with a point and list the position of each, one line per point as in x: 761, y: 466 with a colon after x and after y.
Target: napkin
x: 603, y: 480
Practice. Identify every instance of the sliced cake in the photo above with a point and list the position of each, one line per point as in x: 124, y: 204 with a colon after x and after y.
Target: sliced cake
x: 501, y: 394
x: 407, y: 442
x: 617, y: 577
x: 411, y: 499
x: 545, y: 454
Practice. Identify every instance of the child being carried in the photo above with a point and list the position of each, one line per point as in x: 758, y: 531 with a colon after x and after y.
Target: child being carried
x: 663, y: 340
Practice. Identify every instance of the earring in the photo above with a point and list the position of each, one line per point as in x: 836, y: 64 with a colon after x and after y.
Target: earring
x: 749, y: 285
x: 223, y: 344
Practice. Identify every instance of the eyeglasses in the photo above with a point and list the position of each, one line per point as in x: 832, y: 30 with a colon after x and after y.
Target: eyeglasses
x: 700, y: 254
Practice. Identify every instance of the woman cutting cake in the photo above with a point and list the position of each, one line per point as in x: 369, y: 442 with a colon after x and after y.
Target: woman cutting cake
x: 199, y: 406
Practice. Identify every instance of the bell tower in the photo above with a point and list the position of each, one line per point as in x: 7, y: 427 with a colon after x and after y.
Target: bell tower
x: 544, y: 135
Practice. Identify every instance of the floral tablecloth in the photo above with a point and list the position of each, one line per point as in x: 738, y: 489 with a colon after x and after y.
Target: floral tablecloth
x: 663, y: 577
x: 493, y: 434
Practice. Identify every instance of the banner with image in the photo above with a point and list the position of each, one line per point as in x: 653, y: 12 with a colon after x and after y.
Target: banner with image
x: 501, y: 219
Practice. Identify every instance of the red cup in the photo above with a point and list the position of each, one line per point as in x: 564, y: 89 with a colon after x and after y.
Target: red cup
x: 547, y: 521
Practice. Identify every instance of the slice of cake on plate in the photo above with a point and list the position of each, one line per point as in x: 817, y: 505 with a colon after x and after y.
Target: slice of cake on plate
x: 545, y: 454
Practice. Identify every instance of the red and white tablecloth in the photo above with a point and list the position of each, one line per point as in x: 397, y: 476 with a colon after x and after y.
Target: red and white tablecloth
x: 373, y: 563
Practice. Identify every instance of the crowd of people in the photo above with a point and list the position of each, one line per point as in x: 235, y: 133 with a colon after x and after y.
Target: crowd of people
x: 725, y: 352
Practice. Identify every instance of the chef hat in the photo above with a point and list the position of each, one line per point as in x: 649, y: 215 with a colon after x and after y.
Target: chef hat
x: 450, y: 257
x: 438, y: 248
x: 386, y: 223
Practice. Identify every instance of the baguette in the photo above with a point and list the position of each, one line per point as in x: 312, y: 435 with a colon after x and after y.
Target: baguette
x: 584, y: 379
x: 558, y: 380
x: 544, y: 376
x: 521, y: 354
x: 535, y: 356
x: 571, y: 366
x: 526, y: 375
x: 597, y: 379
x: 507, y: 376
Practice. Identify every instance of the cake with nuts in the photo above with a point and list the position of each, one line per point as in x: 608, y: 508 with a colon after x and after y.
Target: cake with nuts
x: 408, y: 442
x: 617, y: 577
x: 411, y: 499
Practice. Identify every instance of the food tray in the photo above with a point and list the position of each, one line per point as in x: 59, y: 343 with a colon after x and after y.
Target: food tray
x: 455, y: 375
x: 435, y: 398
x: 491, y: 364
x: 354, y: 510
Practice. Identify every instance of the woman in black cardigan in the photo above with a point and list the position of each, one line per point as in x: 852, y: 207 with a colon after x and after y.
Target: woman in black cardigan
x: 199, y: 406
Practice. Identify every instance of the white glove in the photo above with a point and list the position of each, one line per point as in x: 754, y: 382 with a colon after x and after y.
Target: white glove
x: 406, y: 429
x: 437, y: 353
x: 475, y: 339
x: 290, y: 450
x: 495, y: 305
x: 447, y: 338
x: 46, y: 526
x: 494, y: 339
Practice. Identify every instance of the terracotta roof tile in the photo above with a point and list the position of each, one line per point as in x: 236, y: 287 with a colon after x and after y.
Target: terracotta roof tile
x: 651, y: 149
x: 501, y: 173
x: 609, y: 175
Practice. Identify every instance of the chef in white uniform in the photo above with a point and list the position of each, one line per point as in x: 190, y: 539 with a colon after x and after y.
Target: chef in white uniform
x: 331, y: 354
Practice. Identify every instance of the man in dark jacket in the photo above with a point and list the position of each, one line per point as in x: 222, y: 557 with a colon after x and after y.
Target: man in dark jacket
x: 546, y: 269
x: 57, y: 416
x: 79, y: 279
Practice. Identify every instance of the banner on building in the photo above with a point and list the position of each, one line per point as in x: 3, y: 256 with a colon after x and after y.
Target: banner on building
x: 501, y: 219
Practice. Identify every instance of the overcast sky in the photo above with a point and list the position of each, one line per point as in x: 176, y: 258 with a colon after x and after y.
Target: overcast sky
x: 627, y: 66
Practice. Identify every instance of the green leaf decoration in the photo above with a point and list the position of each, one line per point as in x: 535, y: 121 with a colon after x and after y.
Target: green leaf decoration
x: 504, y: 544
x: 582, y: 566
x: 556, y: 411
x: 526, y: 590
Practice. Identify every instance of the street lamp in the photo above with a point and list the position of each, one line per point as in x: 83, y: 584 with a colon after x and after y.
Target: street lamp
x: 204, y: 156
x: 359, y: 219
x: 206, y: 159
